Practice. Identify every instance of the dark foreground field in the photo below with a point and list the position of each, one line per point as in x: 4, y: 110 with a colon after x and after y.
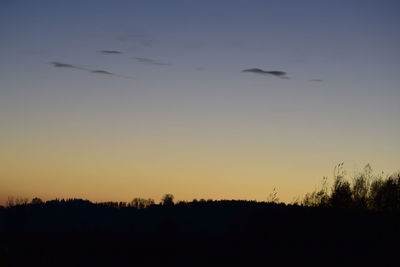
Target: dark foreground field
x: 80, y: 233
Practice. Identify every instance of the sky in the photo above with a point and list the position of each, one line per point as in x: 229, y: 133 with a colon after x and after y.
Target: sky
x: 111, y: 100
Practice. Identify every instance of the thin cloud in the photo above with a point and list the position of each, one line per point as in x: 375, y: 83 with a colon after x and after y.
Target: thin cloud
x: 70, y: 66
x: 65, y: 65
x: 277, y: 73
x: 110, y: 52
x: 151, y: 61
x: 110, y: 73
x: 102, y: 72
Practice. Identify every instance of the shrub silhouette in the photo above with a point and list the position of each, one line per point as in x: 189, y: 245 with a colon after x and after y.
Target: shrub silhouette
x: 36, y: 201
x: 341, y: 194
x: 361, y: 187
x: 318, y: 198
x: 167, y: 200
x: 385, y: 194
x: 365, y: 192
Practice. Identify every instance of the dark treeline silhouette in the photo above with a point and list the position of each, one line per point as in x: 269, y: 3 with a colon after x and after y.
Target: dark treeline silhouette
x: 353, y: 223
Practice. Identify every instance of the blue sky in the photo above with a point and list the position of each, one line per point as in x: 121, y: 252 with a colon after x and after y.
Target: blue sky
x: 178, y: 83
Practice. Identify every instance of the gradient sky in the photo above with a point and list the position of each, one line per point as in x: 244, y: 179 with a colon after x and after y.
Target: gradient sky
x: 175, y: 113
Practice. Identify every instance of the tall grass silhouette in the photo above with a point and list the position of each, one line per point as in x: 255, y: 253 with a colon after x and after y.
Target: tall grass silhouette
x: 365, y: 191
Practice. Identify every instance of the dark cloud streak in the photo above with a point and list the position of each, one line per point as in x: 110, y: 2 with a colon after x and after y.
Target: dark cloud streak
x: 65, y: 65
x: 70, y: 66
x: 102, y: 72
x: 110, y: 52
x: 277, y: 73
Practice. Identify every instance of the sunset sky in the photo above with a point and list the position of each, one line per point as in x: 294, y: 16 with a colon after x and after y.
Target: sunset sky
x: 110, y: 100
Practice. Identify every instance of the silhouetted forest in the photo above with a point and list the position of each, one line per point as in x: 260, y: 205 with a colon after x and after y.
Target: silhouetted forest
x: 354, y: 222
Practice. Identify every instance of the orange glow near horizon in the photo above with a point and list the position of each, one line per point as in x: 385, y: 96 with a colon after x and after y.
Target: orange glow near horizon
x: 109, y: 102
x: 88, y: 167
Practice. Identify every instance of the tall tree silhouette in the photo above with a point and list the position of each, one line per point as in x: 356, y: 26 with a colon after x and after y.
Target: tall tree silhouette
x: 167, y: 200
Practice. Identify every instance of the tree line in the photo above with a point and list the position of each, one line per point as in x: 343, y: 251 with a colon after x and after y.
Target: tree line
x: 365, y: 191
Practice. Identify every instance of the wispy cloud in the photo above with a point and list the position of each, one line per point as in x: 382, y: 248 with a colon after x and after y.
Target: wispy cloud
x: 152, y: 61
x: 112, y: 52
x: 57, y: 64
x: 102, y: 72
x: 66, y: 65
x: 277, y: 73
